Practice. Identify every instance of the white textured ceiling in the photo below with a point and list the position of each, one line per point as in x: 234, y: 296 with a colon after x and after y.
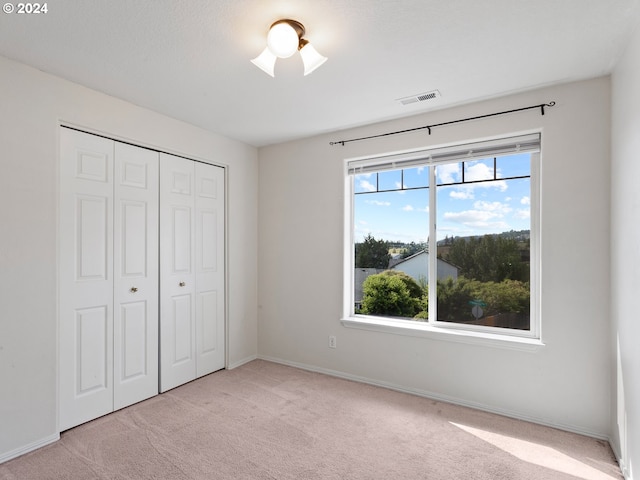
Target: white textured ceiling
x: 189, y: 59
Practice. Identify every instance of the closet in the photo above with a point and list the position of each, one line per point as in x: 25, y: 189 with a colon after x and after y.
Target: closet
x: 141, y: 274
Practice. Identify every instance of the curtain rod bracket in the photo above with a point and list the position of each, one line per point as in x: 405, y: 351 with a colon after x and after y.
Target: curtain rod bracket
x: 550, y: 104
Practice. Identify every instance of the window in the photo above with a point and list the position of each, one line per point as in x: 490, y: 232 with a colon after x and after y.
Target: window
x: 446, y: 238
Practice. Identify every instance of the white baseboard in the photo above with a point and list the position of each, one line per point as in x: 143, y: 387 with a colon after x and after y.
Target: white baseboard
x: 4, y: 457
x: 241, y: 362
x: 623, y: 467
x: 439, y: 397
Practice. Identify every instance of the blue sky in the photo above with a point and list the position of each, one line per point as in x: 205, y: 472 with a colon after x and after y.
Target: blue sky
x: 470, y: 209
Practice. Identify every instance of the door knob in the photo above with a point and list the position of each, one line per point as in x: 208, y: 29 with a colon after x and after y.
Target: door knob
x: 133, y: 289
x: 182, y: 284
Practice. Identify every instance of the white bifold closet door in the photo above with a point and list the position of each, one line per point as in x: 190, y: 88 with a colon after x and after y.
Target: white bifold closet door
x: 108, y: 276
x: 191, y: 270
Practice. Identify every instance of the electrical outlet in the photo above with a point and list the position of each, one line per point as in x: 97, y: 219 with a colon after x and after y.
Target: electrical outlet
x: 332, y: 341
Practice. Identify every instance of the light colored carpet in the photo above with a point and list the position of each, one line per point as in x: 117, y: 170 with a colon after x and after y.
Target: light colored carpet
x: 269, y: 421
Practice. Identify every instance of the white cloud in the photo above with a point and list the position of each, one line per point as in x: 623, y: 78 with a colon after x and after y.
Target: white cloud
x: 411, y: 208
x: 498, y: 184
x: 470, y: 216
x: 477, y: 219
x: 522, y: 214
x: 367, y: 186
x: 478, y: 171
x: 525, y: 201
x: 468, y: 191
x: 448, y: 173
x: 498, y: 208
x: 485, y: 215
x: 462, y: 194
x: 378, y: 203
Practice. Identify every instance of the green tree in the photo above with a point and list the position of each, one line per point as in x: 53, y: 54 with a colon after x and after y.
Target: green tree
x: 490, y: 258
x: 372, y: 253
x: 391, y: 293
x: 413, y: 248
x: 454, y: 297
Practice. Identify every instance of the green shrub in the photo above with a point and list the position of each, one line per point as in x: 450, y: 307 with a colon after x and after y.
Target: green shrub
x: 394, y: 293
x: 391, y: 293
x: 455, y: 297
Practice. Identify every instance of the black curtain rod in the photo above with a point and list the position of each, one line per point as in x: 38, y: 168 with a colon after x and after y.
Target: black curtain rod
x: 429, y: 127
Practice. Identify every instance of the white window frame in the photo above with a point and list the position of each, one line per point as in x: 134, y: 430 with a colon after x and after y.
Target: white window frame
x: 431, y: 157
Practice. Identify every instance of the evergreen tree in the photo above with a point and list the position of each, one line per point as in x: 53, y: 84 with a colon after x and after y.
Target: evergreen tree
x: 372, y: 253
x: 490, y: 258
x: 413, y: 248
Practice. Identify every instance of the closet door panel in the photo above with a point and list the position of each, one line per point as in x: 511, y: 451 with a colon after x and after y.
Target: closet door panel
x: 208, y: 333
x: 181, y: 231
x: 181, y: 331
x: 93, y: 256
x: 177, y: 278
x: 134, y: 324
x: 92, y: 345
x: 136, y: 274
x: 209, y: 264
x: 85, y: 277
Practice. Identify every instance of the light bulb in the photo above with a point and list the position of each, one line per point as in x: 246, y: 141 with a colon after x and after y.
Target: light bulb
x: 283, y: 40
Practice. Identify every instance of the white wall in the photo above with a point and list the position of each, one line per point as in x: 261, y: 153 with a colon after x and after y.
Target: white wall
x: 567, y: 382
x: 32, y: 105
x: 625, y: 256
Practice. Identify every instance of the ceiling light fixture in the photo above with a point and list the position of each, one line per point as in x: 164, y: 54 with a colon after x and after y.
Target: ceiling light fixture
x: 285, y: 39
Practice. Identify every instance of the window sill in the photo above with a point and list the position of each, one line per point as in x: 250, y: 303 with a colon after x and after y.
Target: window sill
x: 424, y: 330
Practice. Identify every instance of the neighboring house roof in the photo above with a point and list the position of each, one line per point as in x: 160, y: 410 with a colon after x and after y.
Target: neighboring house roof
x: 393, y: 264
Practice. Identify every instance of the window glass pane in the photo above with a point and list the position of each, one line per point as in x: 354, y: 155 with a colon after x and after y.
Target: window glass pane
x: 390, y: 180
x: 449, y: 173
x: 416, y: 177
x: 390, y: 232
x: 513, y: 166
x: 483, y: 234
x: 479, y: 170
x: 366, y: 182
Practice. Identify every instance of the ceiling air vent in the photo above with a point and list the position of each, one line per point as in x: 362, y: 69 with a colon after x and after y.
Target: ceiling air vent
x: 421, y: 97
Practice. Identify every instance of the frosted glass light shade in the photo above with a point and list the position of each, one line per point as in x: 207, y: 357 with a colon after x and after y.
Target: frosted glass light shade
x: 283, y: 40
x: 266, y: 61
x: 311, y: 58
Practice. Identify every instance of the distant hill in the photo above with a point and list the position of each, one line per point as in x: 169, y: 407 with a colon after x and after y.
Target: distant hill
x: 517, y: 235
